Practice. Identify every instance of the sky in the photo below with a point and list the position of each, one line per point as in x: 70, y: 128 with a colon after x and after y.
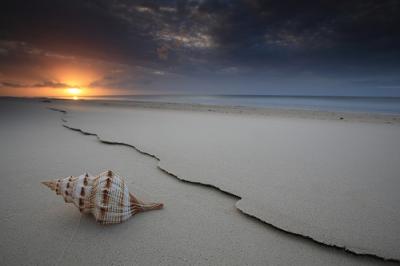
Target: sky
x: 200, y: 47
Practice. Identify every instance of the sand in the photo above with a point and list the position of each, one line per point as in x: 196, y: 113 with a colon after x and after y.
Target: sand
x: 199, y: 225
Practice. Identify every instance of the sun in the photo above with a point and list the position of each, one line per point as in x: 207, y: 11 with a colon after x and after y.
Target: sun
x: 74, y: 91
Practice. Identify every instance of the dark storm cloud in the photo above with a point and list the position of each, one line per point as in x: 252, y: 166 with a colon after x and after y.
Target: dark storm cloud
x: 311, y: 31
x: 72, y: 27
x: 217, y: 38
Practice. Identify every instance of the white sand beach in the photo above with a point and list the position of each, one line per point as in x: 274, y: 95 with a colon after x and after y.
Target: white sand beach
x: 240, y: 186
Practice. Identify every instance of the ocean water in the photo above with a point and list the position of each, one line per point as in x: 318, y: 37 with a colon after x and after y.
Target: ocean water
x: 390, y: 105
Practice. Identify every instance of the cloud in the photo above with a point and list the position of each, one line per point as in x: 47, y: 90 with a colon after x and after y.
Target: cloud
x: 3, y: 51
x: 163, y: 52
x: 229, y: 70
x: 244, y: 32
x: 161, y: 73
x: 144, y: 9
x: 44, y: 84
x: 17, y: 48
x: 195, y: 38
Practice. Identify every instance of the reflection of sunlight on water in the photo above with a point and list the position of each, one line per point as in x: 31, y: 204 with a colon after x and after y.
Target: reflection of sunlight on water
x: 75, y: 98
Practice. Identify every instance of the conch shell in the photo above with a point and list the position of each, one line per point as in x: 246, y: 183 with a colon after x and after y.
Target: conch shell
x: 106, y: 196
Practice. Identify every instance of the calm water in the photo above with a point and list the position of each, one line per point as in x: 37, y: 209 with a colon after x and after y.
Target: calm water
x: 327, y: 103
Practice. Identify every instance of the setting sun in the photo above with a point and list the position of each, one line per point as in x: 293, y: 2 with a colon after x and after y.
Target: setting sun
x: 74, y: 91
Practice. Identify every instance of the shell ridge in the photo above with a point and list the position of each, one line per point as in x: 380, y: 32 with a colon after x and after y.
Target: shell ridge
x: 106, y: 196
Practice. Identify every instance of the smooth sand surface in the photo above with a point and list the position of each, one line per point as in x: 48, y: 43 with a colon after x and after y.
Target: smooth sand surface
x: 199, y: 225
x: 332, y: 180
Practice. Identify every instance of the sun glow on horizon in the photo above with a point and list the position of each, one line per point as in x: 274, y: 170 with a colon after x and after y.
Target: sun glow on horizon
x: 74, y: 91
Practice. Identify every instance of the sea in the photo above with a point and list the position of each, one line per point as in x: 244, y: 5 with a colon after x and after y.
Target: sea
x: 368, y: 104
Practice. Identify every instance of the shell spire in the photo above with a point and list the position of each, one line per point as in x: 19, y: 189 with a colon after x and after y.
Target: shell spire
x: 106, y: 196
x: 144, y: 206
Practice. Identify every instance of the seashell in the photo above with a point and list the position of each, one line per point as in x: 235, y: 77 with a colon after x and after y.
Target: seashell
x: 106, y: 196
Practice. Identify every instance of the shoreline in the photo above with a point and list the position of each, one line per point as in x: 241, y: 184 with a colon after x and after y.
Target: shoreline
x: 352, y: 116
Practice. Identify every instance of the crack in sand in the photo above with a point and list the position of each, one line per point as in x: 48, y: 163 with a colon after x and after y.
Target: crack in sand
x: 342, y: 248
